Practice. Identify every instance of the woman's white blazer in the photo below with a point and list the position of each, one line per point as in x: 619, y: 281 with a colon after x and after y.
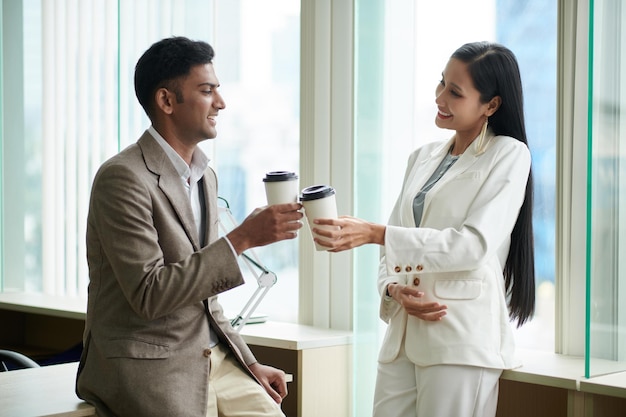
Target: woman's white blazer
x: 457, y: 255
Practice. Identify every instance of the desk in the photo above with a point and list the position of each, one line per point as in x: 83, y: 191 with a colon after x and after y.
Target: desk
x: 553, y: 385
x: 46, y: 391
x: 611, y: 384
x: 320, y: 360
x: 547, y: 369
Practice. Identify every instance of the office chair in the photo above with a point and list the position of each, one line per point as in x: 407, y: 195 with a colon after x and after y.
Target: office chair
x: 15, y: 360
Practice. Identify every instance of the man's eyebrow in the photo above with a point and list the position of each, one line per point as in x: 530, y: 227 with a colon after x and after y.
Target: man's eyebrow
x: 212, y: 85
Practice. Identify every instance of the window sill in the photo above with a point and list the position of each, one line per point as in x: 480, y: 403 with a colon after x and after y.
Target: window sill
x: 539, y: 368
x: 566, y: 372
x: 290, y: 336
x: 547, y: 368
x: 49, y: 305
x: 293, y: 336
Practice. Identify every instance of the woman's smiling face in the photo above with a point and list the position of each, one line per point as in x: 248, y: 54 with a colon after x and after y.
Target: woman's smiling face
x: 458, y: 101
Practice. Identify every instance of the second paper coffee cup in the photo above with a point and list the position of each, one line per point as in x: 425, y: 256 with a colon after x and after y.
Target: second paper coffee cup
x: 319, y: 203
x: 281, y: 187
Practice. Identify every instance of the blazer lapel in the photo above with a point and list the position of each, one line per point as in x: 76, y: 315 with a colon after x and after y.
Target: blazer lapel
x: 465, y: 161
x: 426, y: 167
x: 159, y: 163
x: 421, y: 171
x: 209, y: 183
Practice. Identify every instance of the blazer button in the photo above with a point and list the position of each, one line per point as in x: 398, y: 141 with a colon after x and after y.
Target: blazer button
x: 206, y: 353
x: 419, y: 267
x: 416, y: 281
x: 397, y: 269
x: 408, y: 268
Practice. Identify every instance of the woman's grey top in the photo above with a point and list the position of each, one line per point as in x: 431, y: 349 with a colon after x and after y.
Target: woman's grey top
x: 418, y: 201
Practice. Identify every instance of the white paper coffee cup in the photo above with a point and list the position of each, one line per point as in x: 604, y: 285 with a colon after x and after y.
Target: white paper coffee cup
x: 319, y: 203
x: 281, y: 187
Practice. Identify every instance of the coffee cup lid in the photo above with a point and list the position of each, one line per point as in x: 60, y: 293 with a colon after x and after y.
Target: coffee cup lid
x: 275, y: 176
x: 315, y: 192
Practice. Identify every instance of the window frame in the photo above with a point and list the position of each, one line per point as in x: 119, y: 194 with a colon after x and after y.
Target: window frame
x: 572, y: 126
x: 320, y: 275
x: 327, y: 119
x: 326, y: 123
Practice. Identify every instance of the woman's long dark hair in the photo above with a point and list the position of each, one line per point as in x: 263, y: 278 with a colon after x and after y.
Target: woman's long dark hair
x: 495, y: 72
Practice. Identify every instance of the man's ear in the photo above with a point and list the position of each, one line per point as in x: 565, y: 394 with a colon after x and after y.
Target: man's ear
x: 493, y: 105
x: 164, y: 99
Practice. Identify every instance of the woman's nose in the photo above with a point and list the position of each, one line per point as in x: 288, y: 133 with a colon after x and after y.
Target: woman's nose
x: 438, y: 99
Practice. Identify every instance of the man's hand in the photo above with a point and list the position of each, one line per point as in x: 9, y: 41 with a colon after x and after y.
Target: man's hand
x: 272, y: 379
x: 409, y: 298
x: 267, y: 225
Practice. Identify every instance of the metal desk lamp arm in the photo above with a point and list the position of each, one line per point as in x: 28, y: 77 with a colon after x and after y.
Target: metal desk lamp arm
x: 265, y: 279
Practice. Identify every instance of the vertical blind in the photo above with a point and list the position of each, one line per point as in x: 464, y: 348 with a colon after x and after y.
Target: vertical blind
x: 88, y: 110
x: 72, y: 63
x: 79, y: 129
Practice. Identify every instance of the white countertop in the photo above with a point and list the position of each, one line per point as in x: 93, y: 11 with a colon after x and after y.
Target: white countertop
x: 538, y: 367
x: 568, y: 372
x: 51, y: 305
x: 45, y: 391
x: 547, y: 368
x: 293, y: 336
x: 290, y: 336
x: 613, y: 385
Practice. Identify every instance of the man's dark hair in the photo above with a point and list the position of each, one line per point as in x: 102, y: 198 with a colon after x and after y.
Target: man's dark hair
x: 164, y: 64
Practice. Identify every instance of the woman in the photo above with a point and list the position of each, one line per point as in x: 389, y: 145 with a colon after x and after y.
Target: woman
x: 457, y: 255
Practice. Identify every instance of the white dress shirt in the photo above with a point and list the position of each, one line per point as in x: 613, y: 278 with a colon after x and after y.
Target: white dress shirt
x: 190, y: 176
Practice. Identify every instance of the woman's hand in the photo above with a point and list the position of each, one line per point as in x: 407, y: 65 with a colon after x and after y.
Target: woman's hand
x: 349, y: 232
x: 409, y: 298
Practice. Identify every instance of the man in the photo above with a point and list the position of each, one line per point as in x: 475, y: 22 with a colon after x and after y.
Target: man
x: 156, y: 341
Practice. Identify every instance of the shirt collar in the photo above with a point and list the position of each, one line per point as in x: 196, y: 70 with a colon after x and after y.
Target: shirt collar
x: 191, y: 173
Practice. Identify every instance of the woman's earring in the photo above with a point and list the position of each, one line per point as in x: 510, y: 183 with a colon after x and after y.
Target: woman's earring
x: 481, y: 137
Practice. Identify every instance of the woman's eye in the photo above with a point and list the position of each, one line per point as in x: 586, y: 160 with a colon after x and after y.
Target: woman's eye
x: 442, y: 83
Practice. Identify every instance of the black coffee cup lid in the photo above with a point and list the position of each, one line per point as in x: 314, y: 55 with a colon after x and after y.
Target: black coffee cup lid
x: 315, y: 192
x: 275, y: 176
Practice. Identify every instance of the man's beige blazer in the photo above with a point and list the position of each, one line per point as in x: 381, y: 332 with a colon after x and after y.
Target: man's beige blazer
x: 146, y: 337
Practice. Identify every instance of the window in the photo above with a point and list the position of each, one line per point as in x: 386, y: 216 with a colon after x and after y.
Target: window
x: 258, y: 64
x: 49, y: 51
x: 69, y: 104
x: 606, y: 336
x: 401, y: 49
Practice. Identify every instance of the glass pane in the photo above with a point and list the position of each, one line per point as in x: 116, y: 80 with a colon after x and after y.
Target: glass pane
x: 607, y: 218
x: 401, y: 49
x: 57, y: 72
x: 530, y: 30
x: 141, y: 23
x: 258, y: 64
x: 69, y: 73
